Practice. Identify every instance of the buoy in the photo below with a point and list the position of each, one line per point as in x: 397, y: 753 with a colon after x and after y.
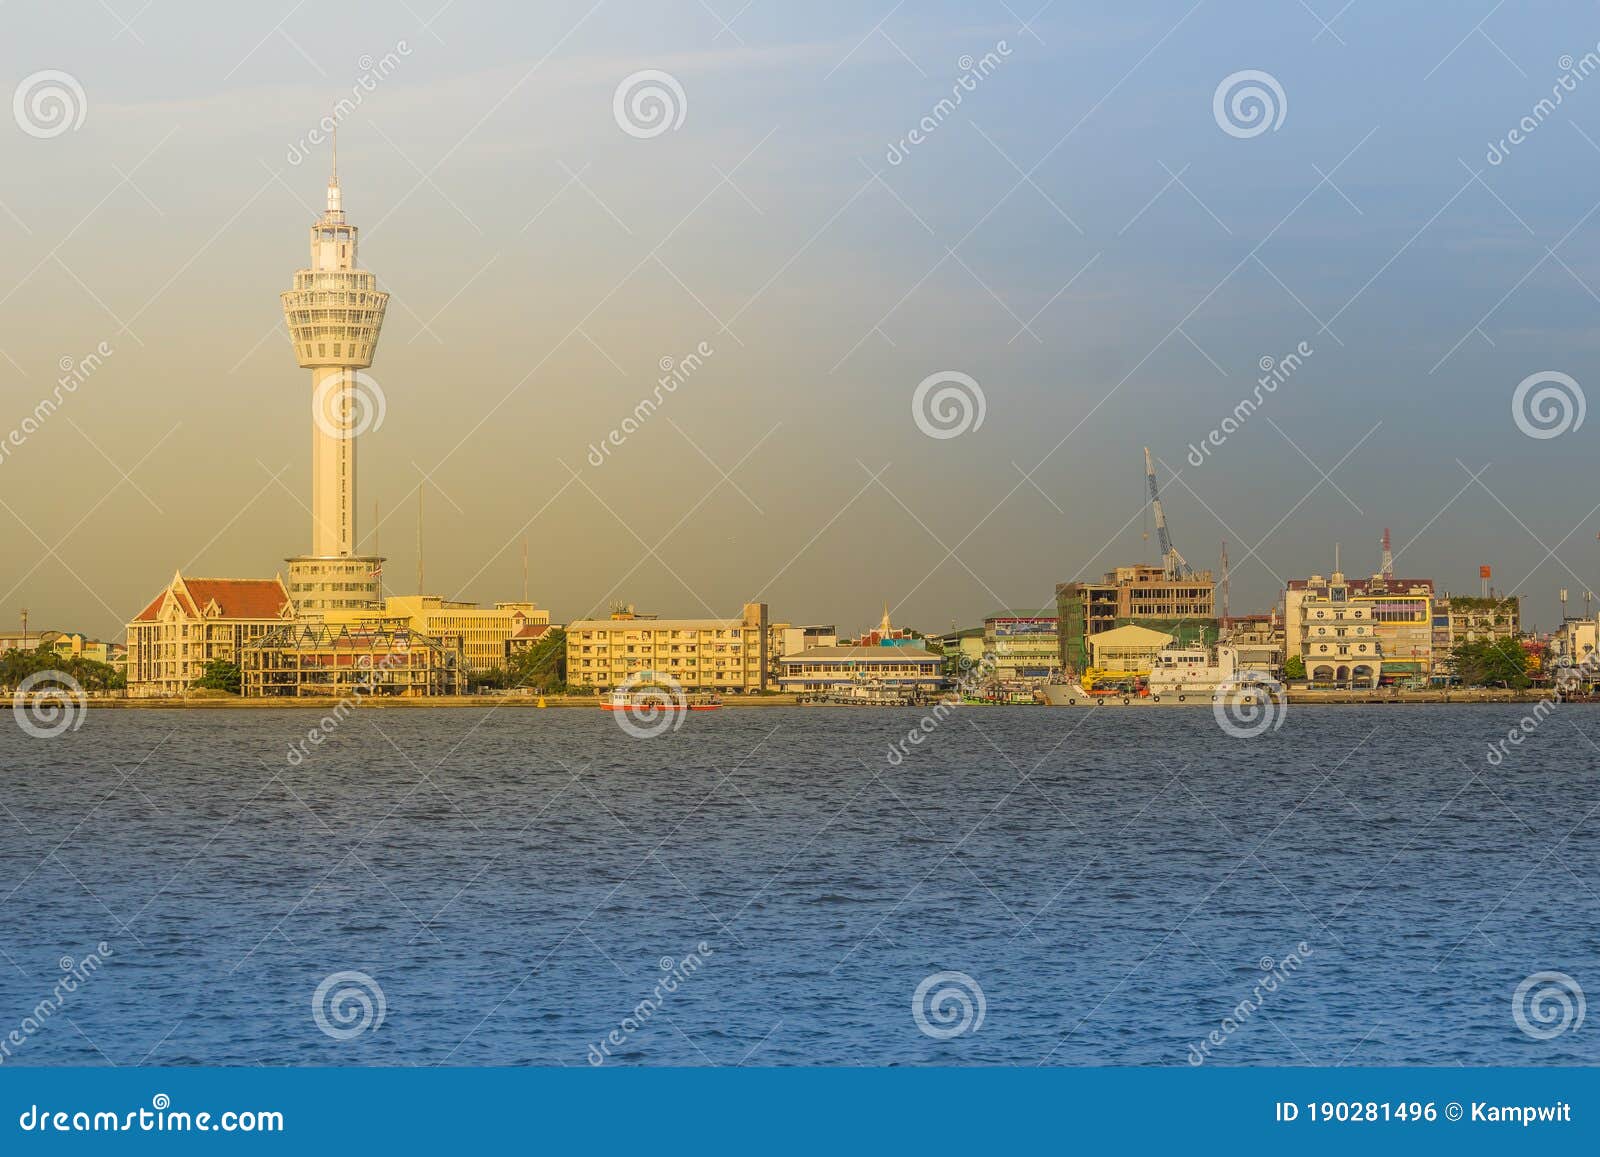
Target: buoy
x: 541, y: 701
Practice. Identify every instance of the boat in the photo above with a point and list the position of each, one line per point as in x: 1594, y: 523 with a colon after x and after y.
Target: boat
x: 1179, y: 676
x: 648, y: 699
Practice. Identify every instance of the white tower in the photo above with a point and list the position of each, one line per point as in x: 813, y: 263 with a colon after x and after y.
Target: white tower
x: 334, y: 313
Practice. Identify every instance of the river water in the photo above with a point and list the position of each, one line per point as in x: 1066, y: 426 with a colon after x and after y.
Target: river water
x: 772, y: 886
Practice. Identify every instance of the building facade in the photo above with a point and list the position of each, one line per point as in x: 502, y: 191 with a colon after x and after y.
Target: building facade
x: 483, y: 632
x: 893, y: 664
x: 194, y: 621
x: 1025, y: 647
x: 1339, y: 644
x: 1399, y: 613
x: 697, y: 654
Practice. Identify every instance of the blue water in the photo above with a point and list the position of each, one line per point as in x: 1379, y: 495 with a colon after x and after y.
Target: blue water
x: 513, y: 880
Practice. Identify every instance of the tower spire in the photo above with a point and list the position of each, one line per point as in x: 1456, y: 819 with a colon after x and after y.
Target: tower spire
x: 335, y: 200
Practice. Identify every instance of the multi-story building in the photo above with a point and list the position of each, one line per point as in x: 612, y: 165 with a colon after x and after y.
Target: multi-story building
x: 1025, y: 647
x: 315, y: 659
x: 195, y: 620
x: 1183, y: 606
x: 483, y: 632
x: 697, y: 654
x: 1338, y: 641
x: 1399, y: 612
x: 1258, y: 642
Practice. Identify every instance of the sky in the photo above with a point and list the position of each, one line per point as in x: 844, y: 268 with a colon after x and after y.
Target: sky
x: 1094, y: 248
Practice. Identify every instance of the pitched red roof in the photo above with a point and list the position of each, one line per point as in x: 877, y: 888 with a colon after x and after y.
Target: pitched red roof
x: 235, y: 598
x: 531, y: 631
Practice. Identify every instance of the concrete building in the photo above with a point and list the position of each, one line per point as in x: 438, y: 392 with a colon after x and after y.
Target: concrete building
x: 1181, y: 606
x: 1338, y: 642
x: 318, y: 660
x: 1398, y: 611
x: 483, y: 632
x: 1025, y: 647
x: 195, y: 620
x: 895, y: 663
x: 1258, y: 642
x: 697, y: 654
x: 334, y: 314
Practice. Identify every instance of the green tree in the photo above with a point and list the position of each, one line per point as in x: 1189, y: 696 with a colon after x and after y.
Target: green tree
x: 220, y: 675
x: 1294, y: 667
x: 542, y: 668
x: 1492, y: 663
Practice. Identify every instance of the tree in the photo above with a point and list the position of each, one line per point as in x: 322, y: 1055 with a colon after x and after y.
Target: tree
x: 220, y: 675
x: 16, y: 665
x: 542, y: 668
x: 1492, y: 663
x: 1294, y: 667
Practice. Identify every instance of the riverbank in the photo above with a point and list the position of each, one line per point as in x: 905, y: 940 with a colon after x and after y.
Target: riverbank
x: 522, y: 702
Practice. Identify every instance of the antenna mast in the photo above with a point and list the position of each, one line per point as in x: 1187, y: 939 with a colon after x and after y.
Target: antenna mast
x: 1388, y: 556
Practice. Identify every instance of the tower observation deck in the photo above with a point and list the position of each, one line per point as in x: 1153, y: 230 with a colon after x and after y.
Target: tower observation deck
x: 335, y: 314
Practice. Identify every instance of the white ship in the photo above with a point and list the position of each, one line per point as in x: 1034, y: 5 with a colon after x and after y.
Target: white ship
x: 1180, y: 676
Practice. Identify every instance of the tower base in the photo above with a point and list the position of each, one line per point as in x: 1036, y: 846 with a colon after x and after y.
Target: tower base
x: 347, y: 582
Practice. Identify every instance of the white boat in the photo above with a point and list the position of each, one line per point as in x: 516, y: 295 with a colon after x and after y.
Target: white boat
x: 1180, y: 676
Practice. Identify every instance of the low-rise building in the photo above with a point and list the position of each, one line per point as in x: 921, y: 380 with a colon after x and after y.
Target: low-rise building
x: 898, y: 664
x: 314, y: 659
x: 697, y: 654
x: 1129, y: 650
x: 193, y: 621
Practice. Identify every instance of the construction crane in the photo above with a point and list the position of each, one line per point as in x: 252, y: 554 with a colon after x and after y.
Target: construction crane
x: 1225, y: 587
x: 1172, y: 563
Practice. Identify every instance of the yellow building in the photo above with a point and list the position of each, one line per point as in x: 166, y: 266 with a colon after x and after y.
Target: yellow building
x: 483, y: 632
x: 697, y: 654
x: 1129, y: 650
x: 193, y: 621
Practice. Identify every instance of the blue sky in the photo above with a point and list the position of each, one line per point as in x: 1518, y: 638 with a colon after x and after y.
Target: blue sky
x: 543, y: 261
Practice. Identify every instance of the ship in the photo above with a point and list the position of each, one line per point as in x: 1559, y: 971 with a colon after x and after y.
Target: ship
x: 1179, y: 676
x: 648, y: 700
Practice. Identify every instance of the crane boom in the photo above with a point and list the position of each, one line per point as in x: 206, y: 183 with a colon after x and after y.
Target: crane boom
x: 1171, y: 561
